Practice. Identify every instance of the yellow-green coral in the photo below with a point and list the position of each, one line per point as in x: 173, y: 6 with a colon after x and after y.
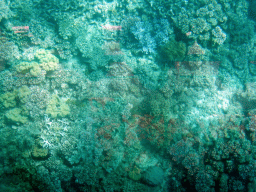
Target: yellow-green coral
x: 23, y: 92
x: 24, y: 67
x: 15, y: 115
x: 39, y: 153
x: 35, y: 71
x: 29, y: 67
x: 47, y: 61
x: 8, y: 99
x: 49, y: 66
x: 57, y: 107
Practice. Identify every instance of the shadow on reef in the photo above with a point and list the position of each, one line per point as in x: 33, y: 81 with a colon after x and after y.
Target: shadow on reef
x: 252, y: 9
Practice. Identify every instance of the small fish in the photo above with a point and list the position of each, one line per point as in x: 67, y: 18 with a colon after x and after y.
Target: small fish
x: 20, y: 28
x: 112, y: 27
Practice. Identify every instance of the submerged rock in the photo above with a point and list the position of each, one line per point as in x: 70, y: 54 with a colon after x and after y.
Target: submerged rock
x: 154, y: 176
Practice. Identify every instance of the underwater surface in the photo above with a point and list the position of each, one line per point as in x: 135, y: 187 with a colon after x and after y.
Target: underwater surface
x: 127, y: 95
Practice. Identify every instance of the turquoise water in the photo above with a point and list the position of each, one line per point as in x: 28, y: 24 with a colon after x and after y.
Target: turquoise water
x: 129, y: 95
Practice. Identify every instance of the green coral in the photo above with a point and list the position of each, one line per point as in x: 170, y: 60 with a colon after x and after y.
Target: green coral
x: 173, y: 51
x: 57, y: 107
x: 15, y: 115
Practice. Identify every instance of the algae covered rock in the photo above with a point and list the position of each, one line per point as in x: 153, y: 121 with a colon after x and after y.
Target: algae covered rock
x: 154, y: 176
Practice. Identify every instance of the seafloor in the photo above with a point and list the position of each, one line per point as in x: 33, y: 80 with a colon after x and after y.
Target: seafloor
x: 127, y: 95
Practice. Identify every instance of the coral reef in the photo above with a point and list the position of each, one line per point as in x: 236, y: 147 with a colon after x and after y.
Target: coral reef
x: 129, y: 95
